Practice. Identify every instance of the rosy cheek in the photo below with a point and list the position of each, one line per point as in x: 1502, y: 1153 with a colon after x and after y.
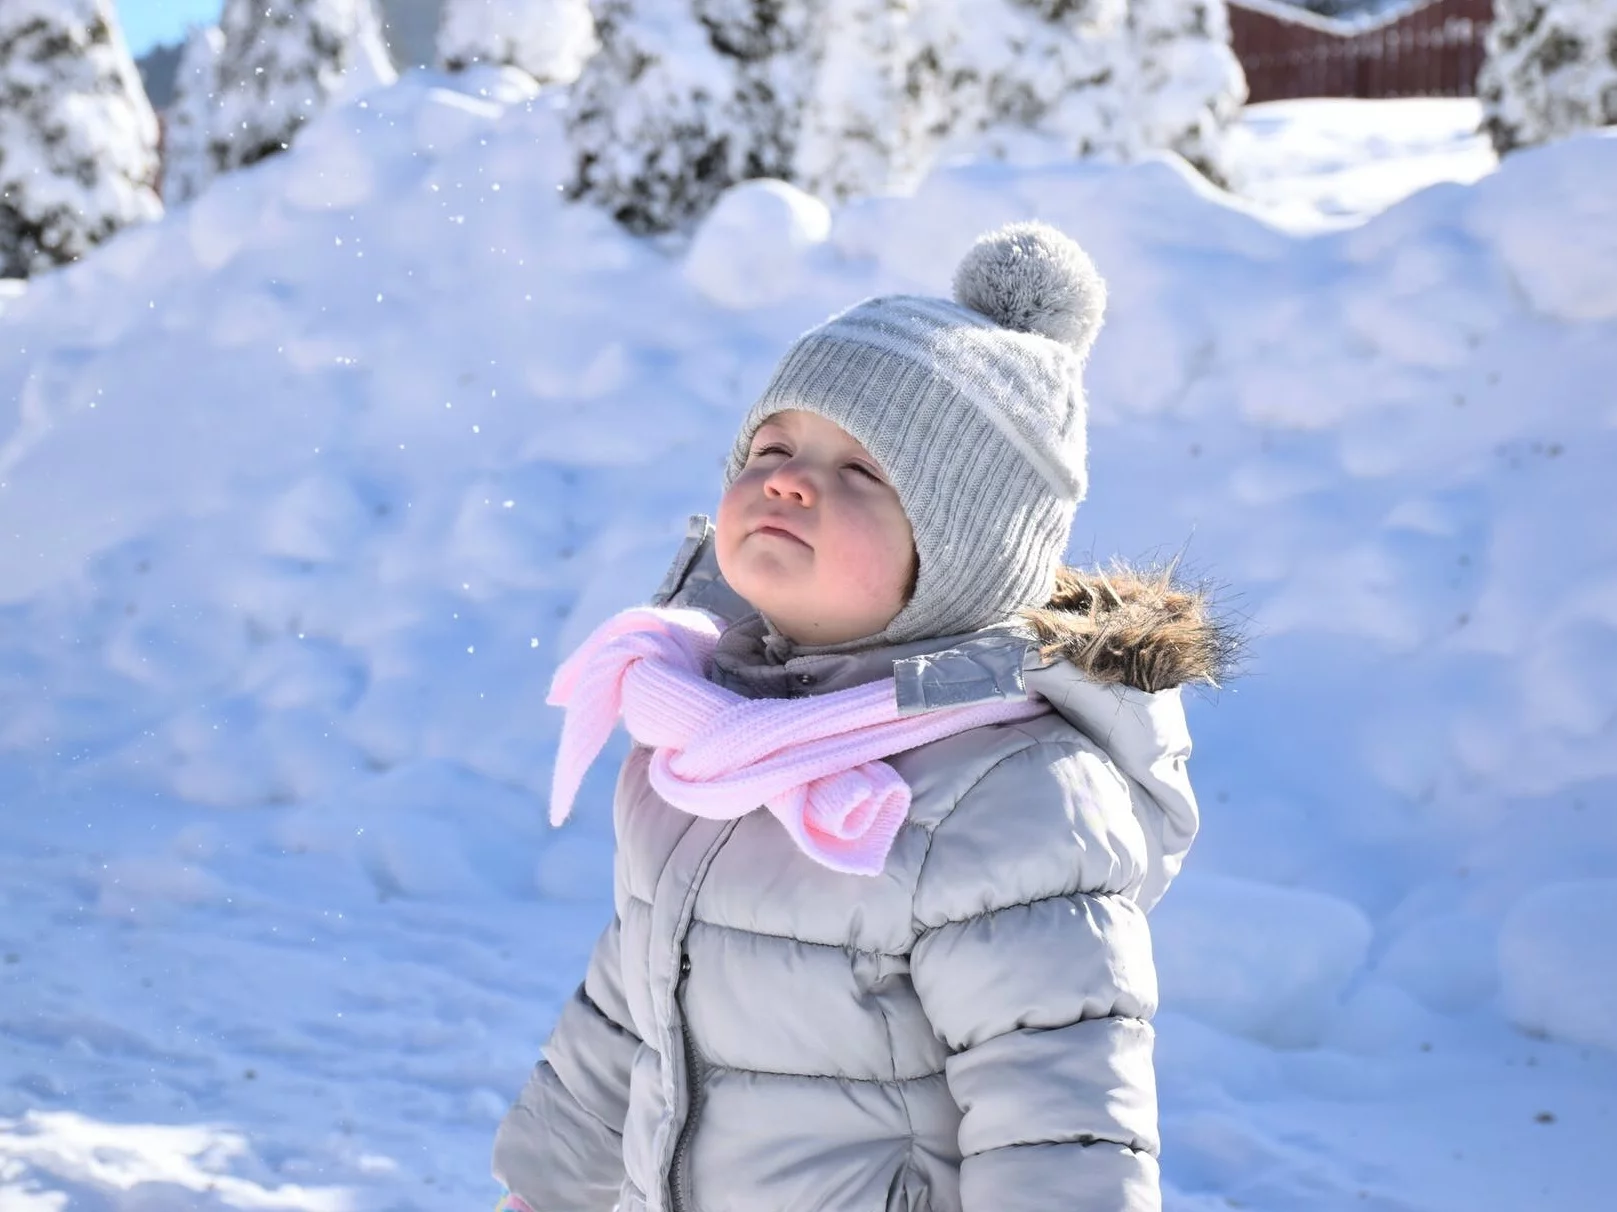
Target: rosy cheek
x: 876, y: 558
x: 726, y: 523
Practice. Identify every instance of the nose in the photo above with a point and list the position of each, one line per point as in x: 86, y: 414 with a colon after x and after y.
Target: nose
x: 790, y: 481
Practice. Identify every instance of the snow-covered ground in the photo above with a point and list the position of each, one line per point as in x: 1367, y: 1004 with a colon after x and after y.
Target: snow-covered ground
x: 1326, y: 163
x: 304, y: 489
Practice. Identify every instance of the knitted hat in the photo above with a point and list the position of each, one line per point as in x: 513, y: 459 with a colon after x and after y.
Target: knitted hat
x: 974, y: 408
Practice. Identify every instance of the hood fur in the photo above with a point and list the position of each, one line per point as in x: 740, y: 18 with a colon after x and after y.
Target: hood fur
x: 1139, y: 628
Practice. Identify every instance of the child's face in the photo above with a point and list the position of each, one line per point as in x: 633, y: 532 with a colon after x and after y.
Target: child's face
x: 813, y: 535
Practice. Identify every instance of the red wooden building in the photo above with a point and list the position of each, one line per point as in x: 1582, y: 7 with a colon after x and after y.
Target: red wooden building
x: 1431, y: 48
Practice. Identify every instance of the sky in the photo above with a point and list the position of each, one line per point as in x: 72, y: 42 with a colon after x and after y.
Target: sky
x: 148, y: 22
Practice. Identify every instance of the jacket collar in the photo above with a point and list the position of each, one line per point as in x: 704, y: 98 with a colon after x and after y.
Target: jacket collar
x: 944, y: 671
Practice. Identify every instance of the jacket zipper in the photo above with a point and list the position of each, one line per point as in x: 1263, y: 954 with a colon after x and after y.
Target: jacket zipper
x: 695, y: 1071
x: 679, y: 1193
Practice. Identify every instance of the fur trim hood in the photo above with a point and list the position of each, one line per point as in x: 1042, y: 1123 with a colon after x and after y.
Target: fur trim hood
x: 1108, y: 652
x: 1140, y: 628
x: 1134, y: 627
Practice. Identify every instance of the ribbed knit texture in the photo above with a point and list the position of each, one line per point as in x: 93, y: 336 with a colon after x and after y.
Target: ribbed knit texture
x: 814, y: 763
x: 979, y: 427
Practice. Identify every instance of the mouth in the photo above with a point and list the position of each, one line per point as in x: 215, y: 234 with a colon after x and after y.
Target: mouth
x: 779, y: 532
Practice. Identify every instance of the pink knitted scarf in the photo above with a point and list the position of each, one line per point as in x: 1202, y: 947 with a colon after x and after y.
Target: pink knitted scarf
x: 813, y: 762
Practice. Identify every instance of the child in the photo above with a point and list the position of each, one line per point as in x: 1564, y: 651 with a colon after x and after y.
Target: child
x: 920, y: 977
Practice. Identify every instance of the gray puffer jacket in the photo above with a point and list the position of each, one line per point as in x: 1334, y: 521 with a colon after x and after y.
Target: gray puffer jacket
x: 967, y: 1032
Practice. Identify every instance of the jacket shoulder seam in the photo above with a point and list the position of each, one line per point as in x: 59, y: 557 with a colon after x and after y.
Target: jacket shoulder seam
x: 1099, y: 894
x: 830, y: 1077
x: 917, y: 927
x: 1081, y: 1140
x: 848, y: 948
x: 932, y: 830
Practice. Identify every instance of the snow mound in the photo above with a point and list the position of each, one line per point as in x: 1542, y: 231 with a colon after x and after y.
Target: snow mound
x: 1262, y: 961
x: 749, y: 250
x: 1565, y: 267
x: 191, y: 1166
x: 1447, y: 962
x: 1558, y: 962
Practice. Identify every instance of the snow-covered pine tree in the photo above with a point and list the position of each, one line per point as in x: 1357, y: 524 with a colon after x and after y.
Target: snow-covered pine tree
x: 283, y: 62
x: 1188, y: 86
x: 861, y: 129
x: 1038, y: 79
x: 1020, y: 79
x: 548, y: 39
x: 188, y: 122
x: 410, y: 28
x: 849, y: 97
x: 78, y: 139
x: 685, y: 98
x: 1551, y: 70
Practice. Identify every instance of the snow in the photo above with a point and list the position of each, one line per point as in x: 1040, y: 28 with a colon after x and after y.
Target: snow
x: 171, y: 1164
x: 1033, y: 83
x: 279, y: 65
x: 853, y: 98
x: 1563, y: 267
x: 1258, y: 959
x: 749, y: 250
x: 669, y: 112
x: 1341, y: 17
x: 307, y: 486
x: 1558, y: 962
x: 1551, y: 70
x: 860, y: 132
x: 1323, y: 163
x: 78, y: 139
x: 549, y: 40
x: 1185, y: 84
x: 187, y: 162
x: 1447, y: 962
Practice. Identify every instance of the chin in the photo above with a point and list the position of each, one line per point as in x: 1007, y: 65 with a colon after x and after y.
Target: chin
x: 787, y: 619
x: 784, y: 610
x: 764, y: 587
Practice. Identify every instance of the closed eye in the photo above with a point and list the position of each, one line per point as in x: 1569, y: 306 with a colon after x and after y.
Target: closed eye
x: 860, y: 467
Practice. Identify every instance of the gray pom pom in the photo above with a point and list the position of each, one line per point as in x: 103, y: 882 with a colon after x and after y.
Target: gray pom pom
x: 1031, y: 278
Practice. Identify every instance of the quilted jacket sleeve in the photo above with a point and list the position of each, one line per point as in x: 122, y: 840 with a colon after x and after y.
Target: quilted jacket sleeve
x: 560, y: 1147
x: 1034, y: 966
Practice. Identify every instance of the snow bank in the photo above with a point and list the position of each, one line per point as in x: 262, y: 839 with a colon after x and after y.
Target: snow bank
x: 1565, y: 266
x: 1257, y: 959
x: 191, y: 1167
x: 308, y: 486
x: 1324, y: 163
x: 749, y: 250
x: 1447, y: 961
x: 1558, y: 962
